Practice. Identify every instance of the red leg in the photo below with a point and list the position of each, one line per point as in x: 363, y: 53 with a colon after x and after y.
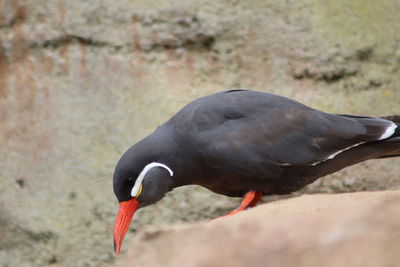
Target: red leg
x: 257, y: 197
x: 250, y: 199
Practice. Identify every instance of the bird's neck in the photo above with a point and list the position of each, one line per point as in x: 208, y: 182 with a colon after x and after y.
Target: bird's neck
x: 161, y: 147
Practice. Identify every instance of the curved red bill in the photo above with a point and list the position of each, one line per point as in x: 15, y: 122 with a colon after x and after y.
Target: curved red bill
x: 124, y: 217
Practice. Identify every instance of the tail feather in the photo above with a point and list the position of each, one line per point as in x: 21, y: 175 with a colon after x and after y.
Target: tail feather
x: 396, y: 134
x: 394, y: 118
x: 395, y: 138
x: 397, y: 131
x: 389, y: 156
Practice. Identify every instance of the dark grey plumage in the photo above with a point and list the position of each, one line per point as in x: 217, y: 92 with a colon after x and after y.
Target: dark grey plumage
x: 237, y: 141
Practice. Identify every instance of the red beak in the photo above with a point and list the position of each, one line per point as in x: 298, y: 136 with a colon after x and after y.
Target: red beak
x: 124, y: 217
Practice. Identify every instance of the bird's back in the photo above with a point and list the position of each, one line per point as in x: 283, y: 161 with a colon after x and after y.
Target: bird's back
x: 248, y: 138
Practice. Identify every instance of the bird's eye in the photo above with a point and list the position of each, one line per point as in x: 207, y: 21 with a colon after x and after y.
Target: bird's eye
x: 130, y: 179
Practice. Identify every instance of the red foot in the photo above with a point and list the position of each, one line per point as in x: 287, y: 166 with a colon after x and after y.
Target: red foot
x: 250, y: 199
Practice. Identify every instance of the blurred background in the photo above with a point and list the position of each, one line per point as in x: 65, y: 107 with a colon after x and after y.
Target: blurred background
x: 81, y: 81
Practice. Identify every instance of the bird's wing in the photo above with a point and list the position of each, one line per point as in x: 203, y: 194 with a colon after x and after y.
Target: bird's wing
x: 260, y: 136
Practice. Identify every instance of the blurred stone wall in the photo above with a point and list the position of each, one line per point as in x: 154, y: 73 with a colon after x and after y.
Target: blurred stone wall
x: 81, y: 81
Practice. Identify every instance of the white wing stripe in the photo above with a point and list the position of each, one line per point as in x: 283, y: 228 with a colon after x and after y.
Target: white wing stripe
x: 331, y: 156
x: 388, y: 133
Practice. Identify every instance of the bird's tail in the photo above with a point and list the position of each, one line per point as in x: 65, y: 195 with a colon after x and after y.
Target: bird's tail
x: 396, y: 119
x: 395, y: 138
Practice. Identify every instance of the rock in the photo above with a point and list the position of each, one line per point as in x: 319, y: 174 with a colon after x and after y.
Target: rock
x: 354, y: 229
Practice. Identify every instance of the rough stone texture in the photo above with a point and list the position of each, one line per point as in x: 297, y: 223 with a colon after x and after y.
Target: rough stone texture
x: 353, y: 229
x: 80, y: 81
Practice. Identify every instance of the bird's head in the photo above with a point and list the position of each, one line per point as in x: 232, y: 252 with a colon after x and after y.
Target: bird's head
x: 137, y: 184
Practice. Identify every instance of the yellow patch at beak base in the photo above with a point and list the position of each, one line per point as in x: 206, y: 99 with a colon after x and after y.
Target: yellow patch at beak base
x: 139, y: 192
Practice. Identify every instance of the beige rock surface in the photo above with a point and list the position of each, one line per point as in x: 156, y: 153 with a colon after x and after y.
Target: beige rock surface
x: 353, y: 229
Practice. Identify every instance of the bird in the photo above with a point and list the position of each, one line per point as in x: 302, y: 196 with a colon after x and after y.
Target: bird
x: 244, y: 143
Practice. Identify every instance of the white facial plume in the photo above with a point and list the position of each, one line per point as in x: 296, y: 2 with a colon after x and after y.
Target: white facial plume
x: 146, y: 169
